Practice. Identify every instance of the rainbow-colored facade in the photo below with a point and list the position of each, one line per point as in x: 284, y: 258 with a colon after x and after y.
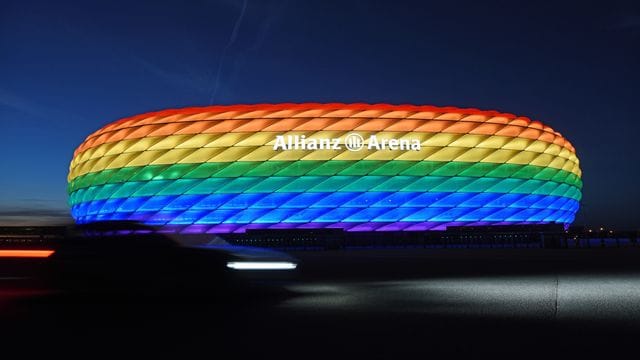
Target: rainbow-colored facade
x: 225, y: 169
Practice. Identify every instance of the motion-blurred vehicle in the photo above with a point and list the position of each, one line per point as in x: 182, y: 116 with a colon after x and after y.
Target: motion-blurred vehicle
x: 119, y: 256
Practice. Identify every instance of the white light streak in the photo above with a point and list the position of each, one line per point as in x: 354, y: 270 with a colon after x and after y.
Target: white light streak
x: 261, y: 265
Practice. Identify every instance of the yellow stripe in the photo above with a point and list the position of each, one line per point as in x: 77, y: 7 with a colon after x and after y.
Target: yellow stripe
x: 265, y: 153
x: 268, y: 138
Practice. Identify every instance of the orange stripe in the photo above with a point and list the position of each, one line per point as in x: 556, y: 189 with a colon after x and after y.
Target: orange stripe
x: 26, y: 253
x: 225, y: 126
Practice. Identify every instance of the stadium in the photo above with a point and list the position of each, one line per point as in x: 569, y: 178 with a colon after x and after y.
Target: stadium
x: 355, y: 167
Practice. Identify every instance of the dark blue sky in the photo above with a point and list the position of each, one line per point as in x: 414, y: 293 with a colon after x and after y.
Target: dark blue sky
x: 67, y: 69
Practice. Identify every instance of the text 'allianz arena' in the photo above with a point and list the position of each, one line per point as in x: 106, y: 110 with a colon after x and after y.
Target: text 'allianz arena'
x: 358, y: 167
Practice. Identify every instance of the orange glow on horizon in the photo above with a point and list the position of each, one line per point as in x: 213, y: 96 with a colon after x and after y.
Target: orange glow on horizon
x: 26, y: 253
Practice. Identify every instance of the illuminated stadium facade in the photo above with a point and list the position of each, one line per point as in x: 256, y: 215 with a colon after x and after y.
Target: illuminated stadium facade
x: 357, y: 167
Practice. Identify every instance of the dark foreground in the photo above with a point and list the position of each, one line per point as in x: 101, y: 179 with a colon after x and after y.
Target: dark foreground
x: 362, y: 303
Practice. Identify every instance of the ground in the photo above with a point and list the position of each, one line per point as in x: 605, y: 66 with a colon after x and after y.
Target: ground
x: 382, y: 303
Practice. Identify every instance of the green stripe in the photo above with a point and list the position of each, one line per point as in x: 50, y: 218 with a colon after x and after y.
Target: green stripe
x: 222, y: 185
x: 323, y: 168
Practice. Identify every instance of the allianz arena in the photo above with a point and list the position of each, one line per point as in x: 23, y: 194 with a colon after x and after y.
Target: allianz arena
x: 357, y: 167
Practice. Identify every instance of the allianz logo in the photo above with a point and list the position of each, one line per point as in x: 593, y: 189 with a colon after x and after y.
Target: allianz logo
x: 352, y: 142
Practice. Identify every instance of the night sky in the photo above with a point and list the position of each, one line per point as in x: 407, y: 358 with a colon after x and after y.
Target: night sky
x: 66, y: 69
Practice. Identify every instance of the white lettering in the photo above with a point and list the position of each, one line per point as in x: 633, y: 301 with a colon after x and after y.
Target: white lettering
x: 373, y: 143
x: 300, y: 142
x: 312, y: 144
x: 280, y: 143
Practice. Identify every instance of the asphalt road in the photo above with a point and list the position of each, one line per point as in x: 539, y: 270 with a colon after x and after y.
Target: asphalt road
x: 384, y: 303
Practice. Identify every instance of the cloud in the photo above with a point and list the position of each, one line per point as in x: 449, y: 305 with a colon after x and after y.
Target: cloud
x: 24, y: 105
x: 21, y: 104
x: 232, y: 39
x: 171, y: 77
x: 269, y: 16
x: 33, y: 216
x: 629, y: 22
